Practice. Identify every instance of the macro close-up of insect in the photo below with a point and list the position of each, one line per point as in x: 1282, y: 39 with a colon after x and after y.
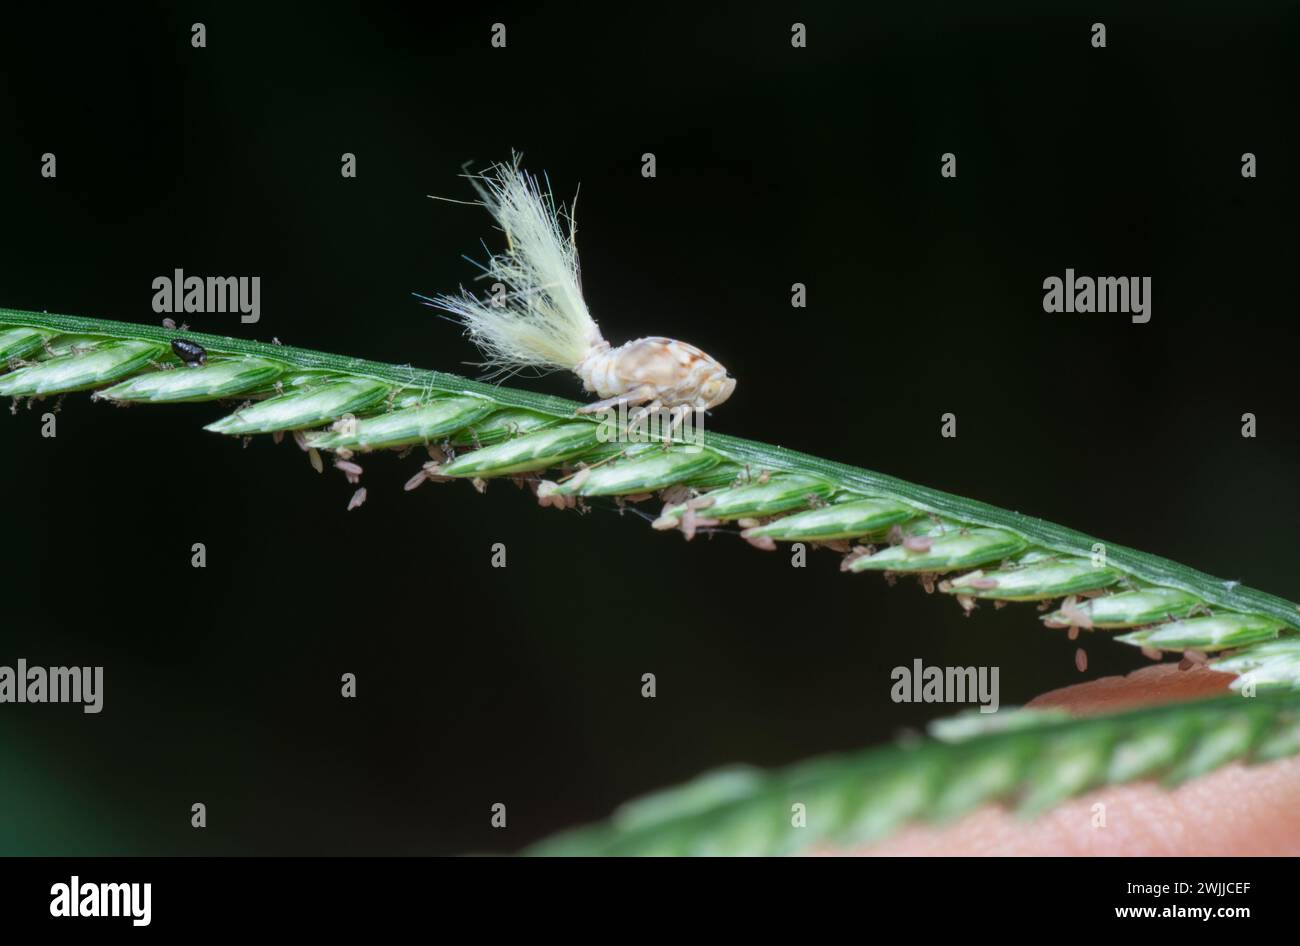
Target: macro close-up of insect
x: 193, y: 354
x: 540, y: 319
x: 351, y: 516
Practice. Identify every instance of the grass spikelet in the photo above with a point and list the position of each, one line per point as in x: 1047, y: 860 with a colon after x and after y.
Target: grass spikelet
x: 1216, y: 632
x: 299, y: 410
x: 1128, y: 609
x: 847, y: 520
x: 648, y: 469
x: 79, y: 370
x: 777, y: 494
x: 946, y: 553
x: 15, y: 343
x: 422, y: 423
x: 218, y: 379
x: 539, y: 450
x: 1039, y: 578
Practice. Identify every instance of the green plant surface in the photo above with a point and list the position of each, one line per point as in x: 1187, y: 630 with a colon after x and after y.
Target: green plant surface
x: 746, y: 454
x: 776, y: 494
x: 1028, y: 759
x: 479, y: 431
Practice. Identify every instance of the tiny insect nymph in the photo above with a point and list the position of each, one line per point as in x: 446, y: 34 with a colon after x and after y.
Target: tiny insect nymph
x: 192, y: 353
x: 661, y: 371
x: 541, y: 320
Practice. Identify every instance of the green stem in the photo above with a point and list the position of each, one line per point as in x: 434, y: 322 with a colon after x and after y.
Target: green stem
x: 757, y: 456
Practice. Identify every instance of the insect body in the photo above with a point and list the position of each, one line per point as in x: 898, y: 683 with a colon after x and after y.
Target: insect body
x: 662, y: 371
x: 539, y: 319
x: 192, y: 353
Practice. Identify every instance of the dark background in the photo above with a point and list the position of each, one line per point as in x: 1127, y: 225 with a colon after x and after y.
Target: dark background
x: 775, y: 166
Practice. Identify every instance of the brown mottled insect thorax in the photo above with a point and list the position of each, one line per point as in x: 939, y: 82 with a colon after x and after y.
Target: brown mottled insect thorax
x: 658, y: 369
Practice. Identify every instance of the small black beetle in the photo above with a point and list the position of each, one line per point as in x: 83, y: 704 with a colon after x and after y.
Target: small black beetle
x: 192, y: 353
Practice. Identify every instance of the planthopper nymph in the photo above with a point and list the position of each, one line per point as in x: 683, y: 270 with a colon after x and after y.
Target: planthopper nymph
x: 539, y: 319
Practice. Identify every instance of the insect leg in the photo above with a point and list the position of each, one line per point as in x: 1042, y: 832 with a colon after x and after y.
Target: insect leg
x: 637, y: 395
x: 679, y: 415
x: 653, y: 407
